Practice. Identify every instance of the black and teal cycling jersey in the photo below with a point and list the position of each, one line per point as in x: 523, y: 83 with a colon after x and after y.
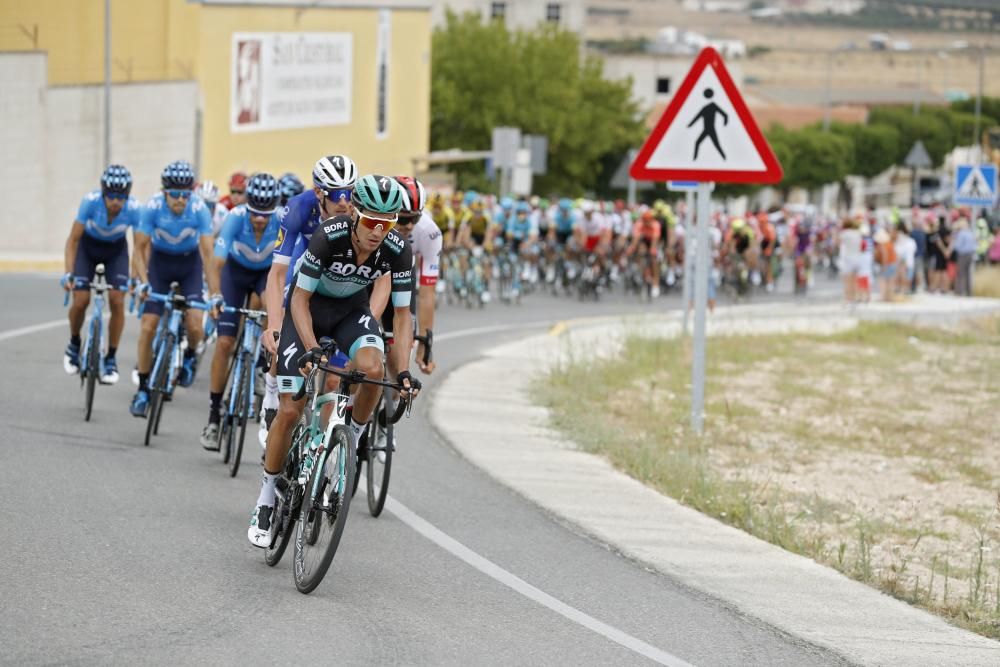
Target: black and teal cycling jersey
x: 330, y: 268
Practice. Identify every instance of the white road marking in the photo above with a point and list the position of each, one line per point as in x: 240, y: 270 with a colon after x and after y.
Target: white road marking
x: 466, y: 554
x: 512, y: 581
x: 494, y: 571
x: 26, y: 331
x: 461, y: 333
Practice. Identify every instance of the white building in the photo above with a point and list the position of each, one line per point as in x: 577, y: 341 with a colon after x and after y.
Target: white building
x: 655, y: 78
x: 518, y: 14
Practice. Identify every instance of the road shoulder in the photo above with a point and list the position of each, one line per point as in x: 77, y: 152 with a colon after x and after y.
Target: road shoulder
x: 484, y: 411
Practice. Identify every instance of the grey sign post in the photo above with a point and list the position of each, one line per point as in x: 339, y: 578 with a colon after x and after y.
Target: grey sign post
x: 506, y: 141
x: 689, y: 233
x: 700, y: 303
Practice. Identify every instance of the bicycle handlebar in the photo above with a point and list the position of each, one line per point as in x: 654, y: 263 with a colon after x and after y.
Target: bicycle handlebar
x: 352, y: 377
x: 179, y: 301
x: 428, y: 342
x: 254, y: 314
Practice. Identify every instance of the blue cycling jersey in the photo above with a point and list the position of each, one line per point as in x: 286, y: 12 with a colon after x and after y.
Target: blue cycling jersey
x: 299, y: 220
x: 238, y: 240
x: 502, y: 218
x: 93, y: 215
x: 564, y: 220
x: 518, y: 227
x: 175, y: 234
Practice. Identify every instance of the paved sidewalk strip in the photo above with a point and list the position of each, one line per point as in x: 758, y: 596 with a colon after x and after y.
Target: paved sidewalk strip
x: 484, y: 411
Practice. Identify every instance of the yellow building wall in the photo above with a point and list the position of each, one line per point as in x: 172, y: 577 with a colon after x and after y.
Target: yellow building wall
x: 296, y: 150
x: 151, y: 40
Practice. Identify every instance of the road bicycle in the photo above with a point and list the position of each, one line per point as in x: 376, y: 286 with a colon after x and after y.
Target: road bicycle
x: 90, y: 357
x: 313, y: 493
x: 240, y: 402
x: 168, y: 355
x: 377, y: 447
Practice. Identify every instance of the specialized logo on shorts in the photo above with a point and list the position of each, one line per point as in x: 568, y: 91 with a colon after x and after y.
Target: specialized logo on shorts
x: 288, y: 353
x: 365, y: 321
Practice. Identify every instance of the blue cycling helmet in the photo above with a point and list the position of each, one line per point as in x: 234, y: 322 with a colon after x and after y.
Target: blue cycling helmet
x: 178, y: 175
x: 290, y: 185
x: 263, y: 193
x: 116, y: 180
x: 470, y: 196
x: 565, y: 204
x: 506, y: 203
x: 523, y: 207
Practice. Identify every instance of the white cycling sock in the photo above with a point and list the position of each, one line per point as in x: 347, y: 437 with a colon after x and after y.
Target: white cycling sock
x: 267, y: 482
x: 270, y: 392
x: 358, y: 429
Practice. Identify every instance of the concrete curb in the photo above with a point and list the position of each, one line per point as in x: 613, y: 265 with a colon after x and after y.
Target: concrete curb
x: 484, y: 411
x: 24, y: 262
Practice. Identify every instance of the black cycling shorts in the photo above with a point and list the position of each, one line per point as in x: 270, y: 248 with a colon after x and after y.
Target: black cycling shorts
x: 347, y: 321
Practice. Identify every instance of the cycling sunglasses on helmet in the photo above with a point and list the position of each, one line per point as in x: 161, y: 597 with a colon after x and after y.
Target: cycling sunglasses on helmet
x: 373, y: 222
x: 178, y: 194
x: 338, y: 194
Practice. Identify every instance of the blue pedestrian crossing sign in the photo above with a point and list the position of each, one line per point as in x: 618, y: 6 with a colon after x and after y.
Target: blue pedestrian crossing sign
x: 975, y: 184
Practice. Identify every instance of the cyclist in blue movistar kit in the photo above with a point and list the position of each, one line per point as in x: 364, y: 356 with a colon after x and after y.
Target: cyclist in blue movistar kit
x: 98, y: 236
x: 290, y: 186
x: 172, y: 243
x: 564, y: 219
x: 242, y: 260
x: 334, y: 177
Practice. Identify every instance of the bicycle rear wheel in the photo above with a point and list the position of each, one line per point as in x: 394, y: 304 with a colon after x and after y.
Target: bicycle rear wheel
x: 242, y: 415
x: 93, y: 365
x: 288, y: 502
x: 328, y: 494
x: 380, y: 441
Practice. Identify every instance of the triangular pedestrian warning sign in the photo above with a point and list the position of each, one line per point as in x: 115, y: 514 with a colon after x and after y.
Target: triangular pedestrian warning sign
x: 707, y: 133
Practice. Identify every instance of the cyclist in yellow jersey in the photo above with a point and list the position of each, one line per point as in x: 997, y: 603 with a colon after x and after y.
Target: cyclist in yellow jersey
x: 476, y: 226
x: 444, y: 218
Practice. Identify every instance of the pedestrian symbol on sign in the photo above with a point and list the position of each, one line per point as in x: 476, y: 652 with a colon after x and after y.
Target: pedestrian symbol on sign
x: 707, y: 116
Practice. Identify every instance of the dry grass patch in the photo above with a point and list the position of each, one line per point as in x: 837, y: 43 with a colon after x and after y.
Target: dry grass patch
x: 874, y: 451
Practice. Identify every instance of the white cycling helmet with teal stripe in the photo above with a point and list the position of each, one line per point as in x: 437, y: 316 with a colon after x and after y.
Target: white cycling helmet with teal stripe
x: 377, y: 194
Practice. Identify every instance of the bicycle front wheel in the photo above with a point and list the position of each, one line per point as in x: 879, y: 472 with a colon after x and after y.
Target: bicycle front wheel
x: 380, y: 441
x: 242, y: 415
x: 159, y: 384
x: 93, y: 365
x: 325, y: 505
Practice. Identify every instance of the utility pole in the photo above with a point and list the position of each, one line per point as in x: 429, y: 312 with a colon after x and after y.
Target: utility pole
x: 977, y: 139
x: 829, y: 85
x: 921, y: 65
x: 107, y: 82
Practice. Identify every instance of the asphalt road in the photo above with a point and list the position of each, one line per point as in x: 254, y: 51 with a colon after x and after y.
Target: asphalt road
x: 117, y: 553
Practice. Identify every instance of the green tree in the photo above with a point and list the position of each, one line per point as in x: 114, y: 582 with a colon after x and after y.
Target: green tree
x: 927, y: 126
x: 485, y: 75
x: 810, y: 157
x: 875, y: 147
